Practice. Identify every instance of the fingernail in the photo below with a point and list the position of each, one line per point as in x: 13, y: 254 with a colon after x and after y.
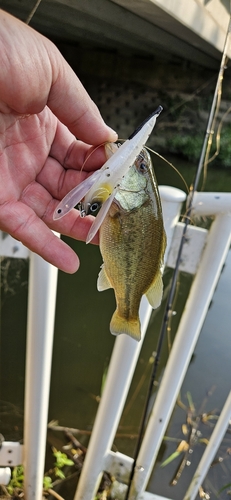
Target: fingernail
x: 113, y: 133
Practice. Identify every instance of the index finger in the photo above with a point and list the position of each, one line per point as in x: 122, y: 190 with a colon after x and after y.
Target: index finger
x: 70, y: 102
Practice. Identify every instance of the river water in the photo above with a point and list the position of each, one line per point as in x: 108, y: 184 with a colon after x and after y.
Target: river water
x: 83, y: 345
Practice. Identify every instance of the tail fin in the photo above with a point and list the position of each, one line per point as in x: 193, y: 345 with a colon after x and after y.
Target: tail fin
x: 120, y: 325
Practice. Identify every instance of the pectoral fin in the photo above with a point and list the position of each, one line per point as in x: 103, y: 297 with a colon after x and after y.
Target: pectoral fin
x: 155, y: 292
x: 103, y: 282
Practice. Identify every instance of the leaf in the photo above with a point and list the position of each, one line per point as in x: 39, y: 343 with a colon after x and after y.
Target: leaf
x: 224, y: 487
x: 62, y: 459
x: 190, y: 402
x: 171, y: 458
x: 10, y: 489
x: 47, y: 482
x: 69, y: 462
x: 59, y: 473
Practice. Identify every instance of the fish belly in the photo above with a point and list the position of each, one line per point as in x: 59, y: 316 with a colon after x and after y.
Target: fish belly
x: 131, y: 245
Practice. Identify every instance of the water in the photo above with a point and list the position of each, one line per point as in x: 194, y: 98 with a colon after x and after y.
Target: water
x: 208, y: 381
x: 83, y: 345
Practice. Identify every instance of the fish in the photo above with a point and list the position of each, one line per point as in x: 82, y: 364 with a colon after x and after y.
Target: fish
x: 107, y: 180
x: 132, y: 244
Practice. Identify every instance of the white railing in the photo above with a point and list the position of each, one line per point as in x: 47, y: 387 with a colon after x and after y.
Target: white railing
x: 204, y: 256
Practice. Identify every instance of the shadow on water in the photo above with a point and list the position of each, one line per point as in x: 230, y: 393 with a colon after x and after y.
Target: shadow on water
x: 83, y: 345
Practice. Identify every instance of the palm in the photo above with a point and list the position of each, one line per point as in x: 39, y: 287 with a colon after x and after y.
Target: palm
x: 27, y: 143
x: 40, y: 162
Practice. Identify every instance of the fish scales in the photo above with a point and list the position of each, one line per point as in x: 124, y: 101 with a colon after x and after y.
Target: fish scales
x: 132, y: 243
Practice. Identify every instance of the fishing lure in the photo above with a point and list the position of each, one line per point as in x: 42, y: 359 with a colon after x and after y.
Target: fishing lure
x: 109, y: 177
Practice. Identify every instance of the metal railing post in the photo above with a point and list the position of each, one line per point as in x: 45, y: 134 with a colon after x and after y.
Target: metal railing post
x: 40, y: 327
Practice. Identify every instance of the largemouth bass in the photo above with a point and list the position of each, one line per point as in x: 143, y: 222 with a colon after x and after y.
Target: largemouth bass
x: 132, y: 237
x: 132, y: 244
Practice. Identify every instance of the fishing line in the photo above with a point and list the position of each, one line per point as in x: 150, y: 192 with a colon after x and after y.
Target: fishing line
x: 168, y: 308
x: 171, y: 165
x: 91, y: 153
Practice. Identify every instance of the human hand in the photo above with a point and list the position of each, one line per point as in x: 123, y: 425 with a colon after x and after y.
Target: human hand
x: 43, y: 107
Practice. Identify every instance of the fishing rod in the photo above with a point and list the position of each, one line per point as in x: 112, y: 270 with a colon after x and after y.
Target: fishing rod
x: 168, y: 309
x: 29, y: 17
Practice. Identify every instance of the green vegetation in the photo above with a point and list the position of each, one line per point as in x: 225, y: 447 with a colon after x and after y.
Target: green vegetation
x: 14, y: 490
x: 189, y: 146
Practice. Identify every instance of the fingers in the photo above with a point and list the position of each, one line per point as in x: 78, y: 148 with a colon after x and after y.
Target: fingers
x: 43, y: 205
x: 34, y: 73
x: 75, y: 154
x: 74, y: 107
x: 56, y: 180
x: 22, y: 223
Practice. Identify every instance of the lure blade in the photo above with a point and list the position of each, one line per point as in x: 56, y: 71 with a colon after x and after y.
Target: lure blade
x: 75, y: 196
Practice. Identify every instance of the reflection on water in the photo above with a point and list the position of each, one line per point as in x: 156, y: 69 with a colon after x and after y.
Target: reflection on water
x: 83, y: 345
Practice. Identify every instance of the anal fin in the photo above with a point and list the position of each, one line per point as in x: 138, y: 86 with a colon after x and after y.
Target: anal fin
x: 155, y: 292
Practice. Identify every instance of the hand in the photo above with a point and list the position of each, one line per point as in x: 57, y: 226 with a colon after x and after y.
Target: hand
x: 43, y: 107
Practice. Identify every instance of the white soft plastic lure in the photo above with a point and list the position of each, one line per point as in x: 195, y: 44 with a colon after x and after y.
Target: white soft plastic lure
x: 106, y: 181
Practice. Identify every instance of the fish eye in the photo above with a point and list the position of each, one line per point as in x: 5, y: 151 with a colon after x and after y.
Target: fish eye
x: 142, y: 167
x: 94, y: 207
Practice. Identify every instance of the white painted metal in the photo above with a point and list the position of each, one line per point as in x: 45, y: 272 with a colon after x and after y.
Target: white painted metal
x: 10, y: 453
x: 211, y: 449
x: 40, y: 327
x: 171, y: 200
x: 205, y: 204
x: 5, y: 475
x: 152, y: 496
x: 9, y: 247
x: 121, y: 369
x: 201, y: 293
x: 119, y: 465
x: 192, y: 249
